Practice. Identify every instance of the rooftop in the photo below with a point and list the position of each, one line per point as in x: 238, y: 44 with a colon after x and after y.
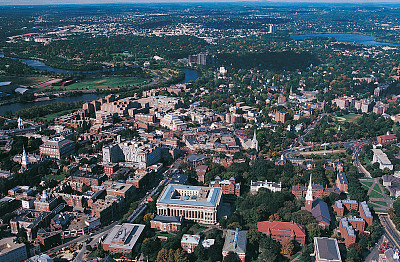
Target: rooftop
x: 235, y: 241
x: 281, y: 228
x: 9, y: 244
x: 190, y: 239
x: 191, y: 195
x: 326, y: 249
x: 124, y: 236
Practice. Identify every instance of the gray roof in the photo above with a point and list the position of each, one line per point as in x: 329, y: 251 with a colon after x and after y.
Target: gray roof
x: 124, y: 236
x: 194, y: 158
x: 320, y: 211
x: 211, y: 198
x: 326, y: 249
x: 168, y: 219
x: 235, y: 241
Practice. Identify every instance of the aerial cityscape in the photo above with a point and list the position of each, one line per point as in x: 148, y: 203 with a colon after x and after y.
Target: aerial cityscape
x: 200, y: 131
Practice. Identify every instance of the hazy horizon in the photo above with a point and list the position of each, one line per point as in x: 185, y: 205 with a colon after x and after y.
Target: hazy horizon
x: 66, y: 2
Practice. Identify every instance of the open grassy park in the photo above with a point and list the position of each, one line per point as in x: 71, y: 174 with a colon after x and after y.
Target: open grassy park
x: 100, y: 83
x: 348, y: 118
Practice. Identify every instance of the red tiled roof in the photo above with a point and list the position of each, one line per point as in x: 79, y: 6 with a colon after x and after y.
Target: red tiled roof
x: 280, y: 228
x: 385, y: 137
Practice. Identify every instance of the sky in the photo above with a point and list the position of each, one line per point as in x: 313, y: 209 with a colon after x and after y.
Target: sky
x: 49, y: 2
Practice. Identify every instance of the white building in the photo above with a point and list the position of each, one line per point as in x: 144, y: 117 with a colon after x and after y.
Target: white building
x: 382, y: 159
x: 196, y: 203
x: 250, y: 143
x: 271, y: 186
x: 136, y: 152
x: 173, y: 123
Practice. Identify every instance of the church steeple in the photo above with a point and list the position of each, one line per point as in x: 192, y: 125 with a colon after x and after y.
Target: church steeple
x: 309, y: 197
x: 24, y: 159
x: 254, y: 142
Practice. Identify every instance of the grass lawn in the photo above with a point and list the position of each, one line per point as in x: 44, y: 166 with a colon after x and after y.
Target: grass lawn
x: 101, y: 83
x: 375, y: 195
x: 366, y: 183
x: 377, y: 188
x: 56, y: 177
x: 348, y: 118
x: 50, y: 117
x: 373, y: 204
x: 382, y: 203
x: 196, y: 229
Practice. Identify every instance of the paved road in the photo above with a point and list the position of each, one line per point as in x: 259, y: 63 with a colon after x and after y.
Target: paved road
x: 135, y: 214
x: 79, y: 239
x: 390, y: 229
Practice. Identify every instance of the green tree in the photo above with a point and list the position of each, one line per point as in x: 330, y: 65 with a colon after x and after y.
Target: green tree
x: 313, y: 230
x: 231, y: 257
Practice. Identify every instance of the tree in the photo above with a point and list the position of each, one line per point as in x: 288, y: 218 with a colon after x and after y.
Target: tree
x: 147, y: 218
x: 232, y: 257
x: 201, y: 253
x: 303, y: 217
x: 270, y: 249
x: 163, y: 255
x: 287, y: 247
x: 313, y: 230
x: 180, y: 256
x: 354, y: 253
x: 149, y: 248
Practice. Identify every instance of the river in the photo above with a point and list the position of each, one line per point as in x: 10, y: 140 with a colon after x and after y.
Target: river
x: 349, y: 38
x: 190, y: 75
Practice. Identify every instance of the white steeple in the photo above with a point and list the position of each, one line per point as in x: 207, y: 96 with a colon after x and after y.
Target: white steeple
x: 20, y: 123
x: 24, y: 159
x: 309, y: 197
x: 44, y: 195
x: 254, y: 142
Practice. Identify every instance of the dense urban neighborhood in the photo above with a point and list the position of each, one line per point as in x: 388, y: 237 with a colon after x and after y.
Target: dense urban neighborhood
x: 200, y: 132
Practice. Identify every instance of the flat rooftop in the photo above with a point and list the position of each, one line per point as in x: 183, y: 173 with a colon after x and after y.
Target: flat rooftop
x: 191, y: 195
x: 326, y: 249
x: 124, y: 236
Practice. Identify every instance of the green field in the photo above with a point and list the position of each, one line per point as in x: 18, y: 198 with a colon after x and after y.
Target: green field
x: 348, y: 118
x: 56, y: 177
x: 50, y: 117
x: 100, y: 83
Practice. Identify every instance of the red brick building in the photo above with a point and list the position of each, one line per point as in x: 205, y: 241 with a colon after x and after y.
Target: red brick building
x: 57, y: 147
x: 201, y: 172
x: 387, y: 139
x: 318, y: 191
x: 278, y: 231
x: 229, y: 187
x: 340, y: 206
x: 166, y: 223
x: 111, y: 168
x: 88, y: 178
x: 365, y: 213
x: 341, y: 182
x: 347, y: 232
x: 280, y: 116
